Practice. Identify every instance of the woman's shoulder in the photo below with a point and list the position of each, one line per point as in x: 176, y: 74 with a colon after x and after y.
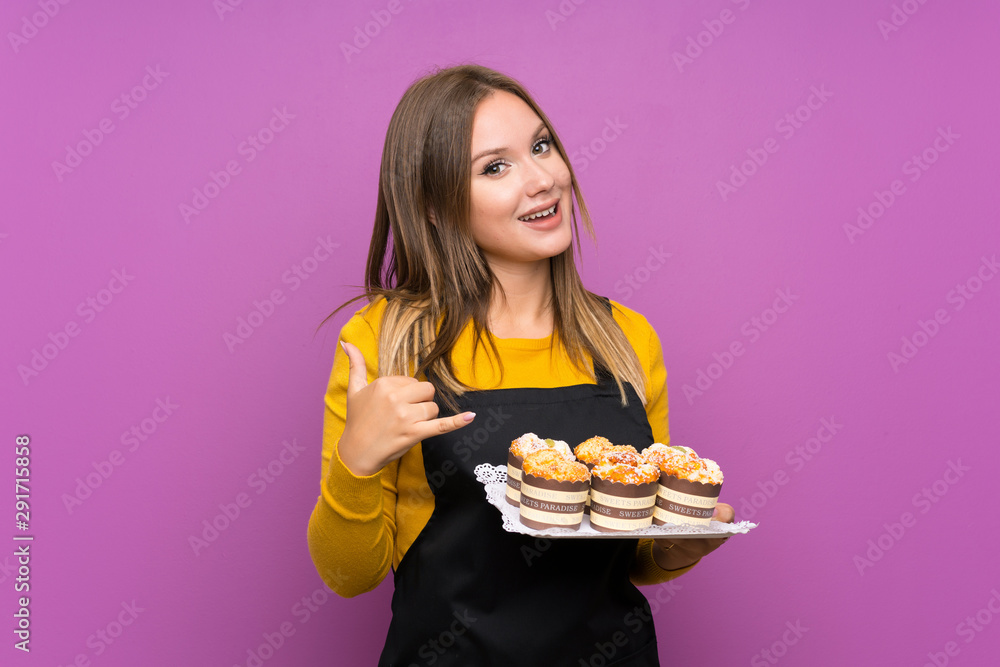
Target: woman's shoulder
x: 372, y: 312
x: 631, y: 321
x: 365, y: 321
x: 371, y: 316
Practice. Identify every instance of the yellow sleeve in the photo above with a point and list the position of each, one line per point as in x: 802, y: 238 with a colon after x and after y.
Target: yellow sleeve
x: 646, y: 343
x: 352, y: 529
x: 645, y: 571
x: 656, y: 374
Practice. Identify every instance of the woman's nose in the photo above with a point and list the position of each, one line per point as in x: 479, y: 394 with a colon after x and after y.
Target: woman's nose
x: 538, y: 177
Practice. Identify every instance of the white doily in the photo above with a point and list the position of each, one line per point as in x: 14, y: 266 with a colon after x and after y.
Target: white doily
x: 494, y: 481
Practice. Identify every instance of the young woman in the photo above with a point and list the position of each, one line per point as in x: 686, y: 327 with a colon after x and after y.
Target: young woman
x: 479, y: 329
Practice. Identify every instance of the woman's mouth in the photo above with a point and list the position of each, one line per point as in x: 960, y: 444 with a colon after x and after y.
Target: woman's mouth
x: 541, y: 215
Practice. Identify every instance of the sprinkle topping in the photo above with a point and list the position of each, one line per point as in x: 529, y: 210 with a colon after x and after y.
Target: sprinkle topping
x: 624, y: 473
x: 529, y: 442
x: 592, y: 450
x: 550, y: 464
x: 683, y: 463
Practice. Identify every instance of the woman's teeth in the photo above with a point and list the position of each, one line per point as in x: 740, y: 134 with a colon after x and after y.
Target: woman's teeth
x: 547, y: 212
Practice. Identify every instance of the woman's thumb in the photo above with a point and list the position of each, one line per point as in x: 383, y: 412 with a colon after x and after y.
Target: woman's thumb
x: 358, y: 377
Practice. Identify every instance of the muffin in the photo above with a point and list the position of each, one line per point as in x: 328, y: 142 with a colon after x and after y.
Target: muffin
x: 622, y: 492
x: 521, y: 447
x: 689, y: 485
x: 590, y: 452
x: 553, y: 490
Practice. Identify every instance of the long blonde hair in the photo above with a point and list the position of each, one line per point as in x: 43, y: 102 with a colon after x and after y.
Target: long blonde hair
x: 434, y: 278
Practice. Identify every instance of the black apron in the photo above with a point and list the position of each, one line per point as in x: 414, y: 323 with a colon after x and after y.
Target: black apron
x: 470, y: 594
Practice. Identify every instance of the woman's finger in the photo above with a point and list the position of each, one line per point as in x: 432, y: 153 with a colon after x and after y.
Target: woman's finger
x: 434, y: 427
x: 724, y: 513
x: 431, y: 410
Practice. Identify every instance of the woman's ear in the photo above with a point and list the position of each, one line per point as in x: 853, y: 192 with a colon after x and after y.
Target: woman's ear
x: 430, y: 216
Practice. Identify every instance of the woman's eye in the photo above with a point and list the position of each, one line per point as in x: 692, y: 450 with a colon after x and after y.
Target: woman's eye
x: 497, y: 167
x: 492, y: 169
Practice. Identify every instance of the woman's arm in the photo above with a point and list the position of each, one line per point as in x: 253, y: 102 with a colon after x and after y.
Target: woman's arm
x: 647, y: 569
x: 352, y: 529
x: 650, y: 559
x: 662, y: 559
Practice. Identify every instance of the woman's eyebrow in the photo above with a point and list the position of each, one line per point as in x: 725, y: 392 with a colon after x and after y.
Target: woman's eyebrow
x: 504, y: 149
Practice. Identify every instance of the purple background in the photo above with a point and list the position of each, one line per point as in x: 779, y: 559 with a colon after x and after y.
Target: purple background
x: 662, y: 133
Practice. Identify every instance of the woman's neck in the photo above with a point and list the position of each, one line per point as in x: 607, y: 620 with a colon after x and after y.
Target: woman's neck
x: 527, y: 310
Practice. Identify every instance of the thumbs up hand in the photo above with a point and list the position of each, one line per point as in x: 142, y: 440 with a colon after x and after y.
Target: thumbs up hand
x: 387, y: 417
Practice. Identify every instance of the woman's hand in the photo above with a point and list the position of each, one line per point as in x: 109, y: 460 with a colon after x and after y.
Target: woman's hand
x: 387, y: 417
x: 675, y: 554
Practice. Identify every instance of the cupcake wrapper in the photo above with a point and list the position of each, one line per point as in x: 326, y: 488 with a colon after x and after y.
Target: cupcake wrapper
x: 617, y: 507
x: 514, y: 463
x: 548, y: 503
x: 586, y: 504
x: 685, y: 502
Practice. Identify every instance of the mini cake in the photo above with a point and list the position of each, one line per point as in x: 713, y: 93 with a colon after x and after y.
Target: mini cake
x: 521, y: 447
x: 624, y: 454
x: 658, y: 451
x: 590, y: 452
x: 689, y: 485
x: 553, y: 490
x: 622, y: 492
x: 594, y: 451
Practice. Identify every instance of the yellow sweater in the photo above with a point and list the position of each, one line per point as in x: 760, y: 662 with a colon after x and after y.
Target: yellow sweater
x: 362, y: 525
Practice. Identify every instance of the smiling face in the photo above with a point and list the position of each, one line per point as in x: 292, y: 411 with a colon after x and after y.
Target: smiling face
x: 517, y: 172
